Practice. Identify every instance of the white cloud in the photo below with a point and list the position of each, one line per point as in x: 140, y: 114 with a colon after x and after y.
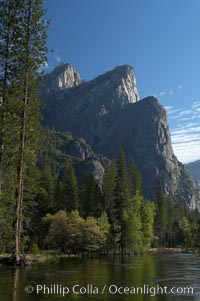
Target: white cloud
x: 196, y: 104
x: 189, y: 118
x: 185, y: 115
x: 187, y: 151
x: 168, y: 108
x: 187, y: 125
x: 162, y: 93
x: 169, y: 92
x: 185, y: 112
x: 186, y: 130
x: 57, y: 57
x: 185, y: 134
x: 183, y: 139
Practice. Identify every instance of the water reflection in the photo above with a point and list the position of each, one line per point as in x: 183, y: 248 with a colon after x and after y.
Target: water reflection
x: 16, y: 285
x: 150, y: 270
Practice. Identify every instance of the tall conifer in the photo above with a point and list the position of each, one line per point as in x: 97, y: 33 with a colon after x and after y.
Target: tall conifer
x: 109, y: 183
x: 161, y: 215
x: 122, y: 202
x: 135, y: 179
x: 70, y: 199
x: 25, y: 39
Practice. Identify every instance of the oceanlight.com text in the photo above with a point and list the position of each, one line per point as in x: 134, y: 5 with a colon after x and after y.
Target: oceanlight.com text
x: 112, y: 289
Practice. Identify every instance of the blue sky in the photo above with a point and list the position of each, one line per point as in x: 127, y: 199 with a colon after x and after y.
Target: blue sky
x: 159, y: 38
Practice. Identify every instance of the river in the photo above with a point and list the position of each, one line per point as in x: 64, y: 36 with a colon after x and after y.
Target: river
x: 137, y: 278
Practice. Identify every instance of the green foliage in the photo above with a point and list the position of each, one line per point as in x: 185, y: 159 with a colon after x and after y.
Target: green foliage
x: 161, y: 216
x: 147, y: 216
x: 57, y: 235
x: 45, y: 195
x: 103, y: 223
x: 69, y: 189
x: 122, y: 203
x: 109, y: 185
x: 90, y: 197
x: 6, y: 229
x: 134, y: 233
x: 135, y: 179
x: 94, y: 238
x: 34, y: 249
x: 23, y: 52
x: 171, y: 218
x: 185, y: 228
x: 71, y: 233
x: 75, y: 232
x: 195, y: 236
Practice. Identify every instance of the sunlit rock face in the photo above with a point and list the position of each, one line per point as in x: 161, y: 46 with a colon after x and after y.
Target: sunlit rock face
x: 108, y: 113
x: 63, y: 77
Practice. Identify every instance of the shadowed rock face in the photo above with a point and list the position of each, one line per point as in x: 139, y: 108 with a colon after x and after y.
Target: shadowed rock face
x: 194, y: 169
x: 108, y: 114
x: 62, y: 146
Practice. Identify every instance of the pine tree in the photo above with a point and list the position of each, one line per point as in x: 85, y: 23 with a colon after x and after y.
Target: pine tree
x: 8, y: 131
x: 31, y: 55
x: 109, y: 183
x: 147, y: 216
x: 21, y: 106
x: 45, y: 198
x: 91, y: 198
x: 135, y: 180
x: 8, y: 24
x: 122, y: 202
x: 70, y: 199
x: 186, y: 232
x: 134, y: 224
x: 170, y: 222
x: 161, y: 215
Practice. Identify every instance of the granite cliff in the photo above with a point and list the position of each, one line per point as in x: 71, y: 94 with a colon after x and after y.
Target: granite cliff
x: 108, y: 113
x: 63, y: 77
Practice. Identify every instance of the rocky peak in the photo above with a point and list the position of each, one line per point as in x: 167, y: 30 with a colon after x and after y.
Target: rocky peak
x: 124, y: 79
x: 107, y: 114
x: 63, y: 77
x: 108, y: 92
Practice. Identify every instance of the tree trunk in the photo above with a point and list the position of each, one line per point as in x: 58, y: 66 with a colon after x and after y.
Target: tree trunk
x: 21, y: 172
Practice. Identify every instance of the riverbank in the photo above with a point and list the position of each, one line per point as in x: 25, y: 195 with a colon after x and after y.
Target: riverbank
x: 29, y: 259
x: 165, y: 250
x: 42, y: 257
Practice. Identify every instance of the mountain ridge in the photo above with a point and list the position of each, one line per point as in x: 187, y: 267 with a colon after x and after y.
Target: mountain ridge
x: 108, y: 113
x: 194, y: 169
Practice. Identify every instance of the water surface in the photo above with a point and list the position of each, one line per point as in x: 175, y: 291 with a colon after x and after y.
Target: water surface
x: 158, y: 270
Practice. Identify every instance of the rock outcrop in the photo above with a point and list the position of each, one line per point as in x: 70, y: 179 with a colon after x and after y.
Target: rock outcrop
x: 63, y: 77
x: 60, y: 146
x: 108, y: 114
